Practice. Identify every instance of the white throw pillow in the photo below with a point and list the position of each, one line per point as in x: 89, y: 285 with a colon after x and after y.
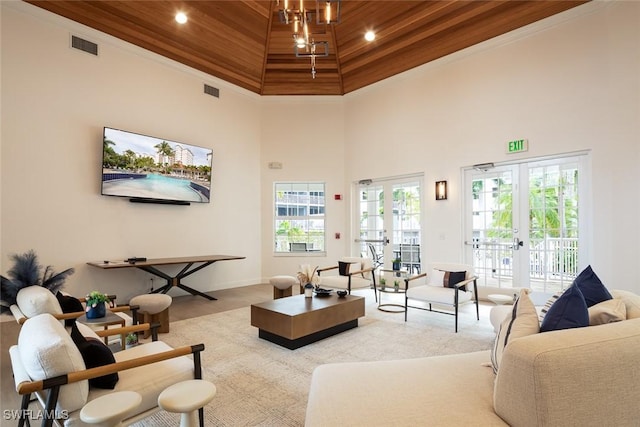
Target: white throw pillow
x: 34, y: 300
x: 631, y: 302
x: 46, y: 351
x: 609, y: 311
x: 522, y: 321
x: 436, y: 278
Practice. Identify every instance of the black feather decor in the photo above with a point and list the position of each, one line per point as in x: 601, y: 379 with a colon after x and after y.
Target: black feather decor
x: 26, y: 272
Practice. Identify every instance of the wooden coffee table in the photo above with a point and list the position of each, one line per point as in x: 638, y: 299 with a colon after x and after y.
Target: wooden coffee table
x: 296, y: 321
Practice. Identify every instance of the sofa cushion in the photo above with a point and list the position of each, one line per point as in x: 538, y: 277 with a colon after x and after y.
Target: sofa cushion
x: 437, y: 294
x: 591, y: 287
x: 569, y: 311
x: 609, y: 311
x: 453, y: 390
x: 95, y: 353
x: 522, y: 321
x: 46, y: 351
x: 630, y: 300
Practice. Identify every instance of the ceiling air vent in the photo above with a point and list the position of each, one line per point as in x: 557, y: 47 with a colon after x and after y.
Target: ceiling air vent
x: 213, y: 91
x: 84, y: 45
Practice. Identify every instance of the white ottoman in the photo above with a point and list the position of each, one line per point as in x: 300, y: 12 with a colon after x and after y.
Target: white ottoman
x: 282, y: 286
x: 498, y: 314
x: 186, y: 398
x: 109, y: 410
x: 154, y: 308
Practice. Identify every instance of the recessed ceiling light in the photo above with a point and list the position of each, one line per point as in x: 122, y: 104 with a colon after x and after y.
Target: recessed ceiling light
x: 369, y: 36
x: 181, y: 17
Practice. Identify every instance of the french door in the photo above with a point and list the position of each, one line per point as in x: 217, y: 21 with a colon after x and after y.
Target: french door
x: 389, y: 218
x: 524, y: 223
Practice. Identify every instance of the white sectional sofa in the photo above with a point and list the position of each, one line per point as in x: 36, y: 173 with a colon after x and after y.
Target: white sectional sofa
x: 573, y: 377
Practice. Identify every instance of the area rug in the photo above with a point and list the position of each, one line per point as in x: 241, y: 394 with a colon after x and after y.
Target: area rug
x: 262, y: 384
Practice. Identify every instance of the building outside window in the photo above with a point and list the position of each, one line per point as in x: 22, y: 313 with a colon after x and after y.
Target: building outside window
x: 299, y: 217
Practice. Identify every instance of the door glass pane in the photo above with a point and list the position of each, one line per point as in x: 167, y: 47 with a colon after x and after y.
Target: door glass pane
x: 492, y: 228
x: 371, y: 205
x: 553, y: 226
x: 406, y: 225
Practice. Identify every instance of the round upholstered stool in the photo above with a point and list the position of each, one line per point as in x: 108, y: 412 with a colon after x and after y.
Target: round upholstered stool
x: 499, y: 299
x: 185, y: 398
x: 109, y: 410
x: 498, y: 314
x: 282, y: 286
x: 154, y: 308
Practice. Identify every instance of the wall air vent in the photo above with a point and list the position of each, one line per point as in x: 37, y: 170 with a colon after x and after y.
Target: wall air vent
x: 213, y: 91
x: 84, y: 45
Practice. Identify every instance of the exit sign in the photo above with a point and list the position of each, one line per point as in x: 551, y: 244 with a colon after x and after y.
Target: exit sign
x: 517, y: 146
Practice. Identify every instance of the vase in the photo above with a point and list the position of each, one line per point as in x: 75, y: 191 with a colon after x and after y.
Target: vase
x: 100, y: 310
x: 308, y: 290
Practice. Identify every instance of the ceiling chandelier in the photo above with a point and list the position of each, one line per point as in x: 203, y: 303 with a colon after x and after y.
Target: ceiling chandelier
x: 305, y: 21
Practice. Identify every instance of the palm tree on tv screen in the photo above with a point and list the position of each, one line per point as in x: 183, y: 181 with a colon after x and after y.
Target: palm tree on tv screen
x: 164, y: 151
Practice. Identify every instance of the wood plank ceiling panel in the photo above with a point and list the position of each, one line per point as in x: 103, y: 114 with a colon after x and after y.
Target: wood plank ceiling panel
x: 244, y: 42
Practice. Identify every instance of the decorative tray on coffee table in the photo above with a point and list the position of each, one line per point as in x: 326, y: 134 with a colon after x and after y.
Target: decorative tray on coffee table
x: 322, y: 292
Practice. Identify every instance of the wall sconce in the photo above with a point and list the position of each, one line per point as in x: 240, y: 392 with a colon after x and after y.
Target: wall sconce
x: 441, y: 190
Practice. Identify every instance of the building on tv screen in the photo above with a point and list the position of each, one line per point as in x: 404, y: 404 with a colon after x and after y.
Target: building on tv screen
x: 144, y: 167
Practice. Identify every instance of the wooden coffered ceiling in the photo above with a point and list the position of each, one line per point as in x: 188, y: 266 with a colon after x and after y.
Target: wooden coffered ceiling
x: 243, y: 42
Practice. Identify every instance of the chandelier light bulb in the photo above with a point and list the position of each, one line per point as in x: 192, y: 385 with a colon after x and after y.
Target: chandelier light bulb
x: 369, y: 36
x: 181, y: 17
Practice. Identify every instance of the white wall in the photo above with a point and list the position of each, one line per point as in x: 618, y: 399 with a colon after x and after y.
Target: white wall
x: 570, y: 83
x: 305, y: 134
x: 55, y: 101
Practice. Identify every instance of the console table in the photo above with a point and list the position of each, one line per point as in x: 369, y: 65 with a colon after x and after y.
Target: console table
x: 150, y: 266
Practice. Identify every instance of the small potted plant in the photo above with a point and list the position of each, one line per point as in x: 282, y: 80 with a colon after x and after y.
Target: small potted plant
x: 396, y: 264
x: 396, y: 285
x: 383, y: 283
x: 131, y: 340
x: 96, y: 305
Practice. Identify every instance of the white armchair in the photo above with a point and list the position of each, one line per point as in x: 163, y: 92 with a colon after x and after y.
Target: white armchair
x: 47, y: 362
x: 349, y: 273
x: 447, y: 285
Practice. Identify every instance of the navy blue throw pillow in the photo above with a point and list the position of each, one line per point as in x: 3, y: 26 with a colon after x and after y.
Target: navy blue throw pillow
x: 569, y: 311
x: 95, y: 353
x: 591, y: 287
x: 452, y: 278
x: 69, y: 304
x: 343, y: 268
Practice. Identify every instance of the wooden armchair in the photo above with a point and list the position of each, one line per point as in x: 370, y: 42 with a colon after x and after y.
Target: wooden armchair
x: 447, y: 285
x: 350, y: 273
x: 47, y: 362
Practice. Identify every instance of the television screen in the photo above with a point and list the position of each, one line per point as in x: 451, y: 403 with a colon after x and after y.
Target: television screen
x: 146, y: 168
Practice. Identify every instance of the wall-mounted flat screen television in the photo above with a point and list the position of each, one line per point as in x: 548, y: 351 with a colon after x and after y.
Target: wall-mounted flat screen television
x: 150, y: 169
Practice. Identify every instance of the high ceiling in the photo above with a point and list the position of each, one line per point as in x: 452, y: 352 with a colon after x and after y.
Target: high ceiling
x: 243, y: 42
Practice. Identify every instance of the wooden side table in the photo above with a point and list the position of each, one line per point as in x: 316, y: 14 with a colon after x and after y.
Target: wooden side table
x: 108, y: 320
